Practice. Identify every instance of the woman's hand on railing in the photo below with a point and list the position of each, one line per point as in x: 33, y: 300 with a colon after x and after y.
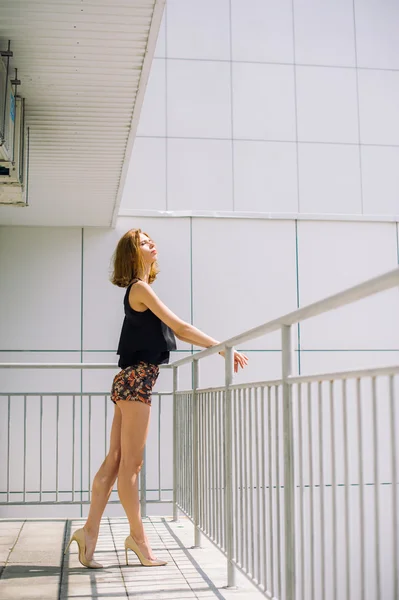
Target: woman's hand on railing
x: 240, y: 360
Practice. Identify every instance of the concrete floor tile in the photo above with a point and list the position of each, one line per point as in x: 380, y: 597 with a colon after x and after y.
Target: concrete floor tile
x: 190, y: 572
x: 10, y: 527
x: 18, y: 589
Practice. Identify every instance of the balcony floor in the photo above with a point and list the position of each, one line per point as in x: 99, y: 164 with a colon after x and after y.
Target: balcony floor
x: 33, y: 566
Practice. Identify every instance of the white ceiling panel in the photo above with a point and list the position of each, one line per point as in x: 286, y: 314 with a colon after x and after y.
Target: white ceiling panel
x: 83, y: 66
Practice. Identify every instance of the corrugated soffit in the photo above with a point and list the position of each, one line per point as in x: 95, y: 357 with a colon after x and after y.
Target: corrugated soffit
x: 84, y: 66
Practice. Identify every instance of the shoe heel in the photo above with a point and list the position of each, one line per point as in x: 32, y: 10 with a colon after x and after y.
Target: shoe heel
x: 69, y: 543
x: 127, y: 562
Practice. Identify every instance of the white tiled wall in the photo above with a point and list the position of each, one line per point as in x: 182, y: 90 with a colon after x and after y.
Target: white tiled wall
x: 377, y: 39
x: 378, y: 107
x: 263, y: 102
x: 235, y: 275
x: 334, y: 256
x: 252, y: 106
x: 145, y: 184
x: 293, y: 72
x: 199, y: 174
x: 327, y: 105
x: 40, y: 287
x: 265, y: 176
x: 262, y: 31
x: 330, y: 178
x: 198, y: 30
x: 198, y: 99
x: 153, y: 117
x: 380, y: 179
x: 325, y: 33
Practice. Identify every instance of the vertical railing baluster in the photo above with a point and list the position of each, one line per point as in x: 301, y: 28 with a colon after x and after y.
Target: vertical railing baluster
x: 159, y: 446
x: 241, y: 406
x: 228, y: 469
x: 334, y: 491
x: 197, y: 531
x: 202, y: 453
x: 57, y: 448
x: 209, y: 405
x: 361, y: 489
x: 346, y: 487
x: 251, y: 563
x: 270, y: 465
x: 24, y: 473
x: 81, y: 454
x: 376, y: 488
x: 257, y: 479
x: 176, y: 442
x: 289, y: 488
x: 8, y: 448
x: 41, y: 450
x: 395, y: 521
x: 278, y: 501
x: 183, y: 453
x: 301, y: 492
x: 237, y: 455
x: 321, y: 504
x: 311, y: 498
x: 89, y: 451
x: 214, y: 478
x: 246, y: 476
x: 222, y: 471
x: 73, y: 448
x: 263, y: 475
x: 223, y: 439
x: 181, y: 404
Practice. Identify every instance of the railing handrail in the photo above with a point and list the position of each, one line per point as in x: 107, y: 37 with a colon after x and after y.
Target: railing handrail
x: 360, y: 291
x: 316, y: 377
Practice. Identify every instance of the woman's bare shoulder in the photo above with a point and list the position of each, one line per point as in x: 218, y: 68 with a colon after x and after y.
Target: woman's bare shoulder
x: 149, y: 299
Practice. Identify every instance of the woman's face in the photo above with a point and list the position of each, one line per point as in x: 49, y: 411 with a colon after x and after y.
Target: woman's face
x: 148, y: 249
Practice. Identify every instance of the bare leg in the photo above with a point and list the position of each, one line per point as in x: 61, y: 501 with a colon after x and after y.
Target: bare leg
x: 135, y: 422
x: 103, y: 483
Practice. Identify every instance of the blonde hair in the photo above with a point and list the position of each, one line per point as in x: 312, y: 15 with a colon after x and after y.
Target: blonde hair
x: 127, y: 260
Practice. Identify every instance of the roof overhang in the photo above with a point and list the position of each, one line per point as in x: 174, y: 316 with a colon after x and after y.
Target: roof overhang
x: 83, y: 66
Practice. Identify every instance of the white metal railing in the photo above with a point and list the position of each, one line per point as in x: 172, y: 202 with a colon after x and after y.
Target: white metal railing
x: 295, y: 480
x: 52, y: 443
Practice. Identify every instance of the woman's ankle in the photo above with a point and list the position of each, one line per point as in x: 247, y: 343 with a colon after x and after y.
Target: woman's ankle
x: 90, y: 530
x: 139, y: 538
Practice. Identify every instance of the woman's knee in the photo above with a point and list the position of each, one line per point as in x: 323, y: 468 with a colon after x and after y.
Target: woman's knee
x: 131, y: 465
x: 112, y: 462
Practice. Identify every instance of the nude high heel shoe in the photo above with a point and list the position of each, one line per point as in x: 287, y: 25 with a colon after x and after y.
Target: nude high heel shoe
x: 146, y: 562
x: 79, y: 537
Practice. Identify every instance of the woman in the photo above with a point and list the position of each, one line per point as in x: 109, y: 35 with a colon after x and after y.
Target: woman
x: 147, y: 336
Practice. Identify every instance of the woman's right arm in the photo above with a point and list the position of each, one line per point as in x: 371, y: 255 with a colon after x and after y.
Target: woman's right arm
x: 184, y: 331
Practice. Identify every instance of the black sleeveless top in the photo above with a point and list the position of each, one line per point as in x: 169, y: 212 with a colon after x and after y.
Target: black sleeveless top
x: 144, y: 337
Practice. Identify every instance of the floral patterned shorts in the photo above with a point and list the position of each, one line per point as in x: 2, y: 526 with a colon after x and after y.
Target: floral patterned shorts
x: 135, y: 383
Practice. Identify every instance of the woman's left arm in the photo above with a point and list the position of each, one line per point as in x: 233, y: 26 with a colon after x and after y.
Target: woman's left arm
x: 182, y: 339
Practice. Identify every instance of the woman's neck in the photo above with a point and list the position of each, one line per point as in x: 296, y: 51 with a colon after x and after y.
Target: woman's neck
x: 146, y: 276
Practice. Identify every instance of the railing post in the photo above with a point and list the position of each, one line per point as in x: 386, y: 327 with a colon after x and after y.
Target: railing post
x: 143, y: 485
x: 197, y: 533
x: 176, y: 480
x: 228, y: 469
x: 289, y: 489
